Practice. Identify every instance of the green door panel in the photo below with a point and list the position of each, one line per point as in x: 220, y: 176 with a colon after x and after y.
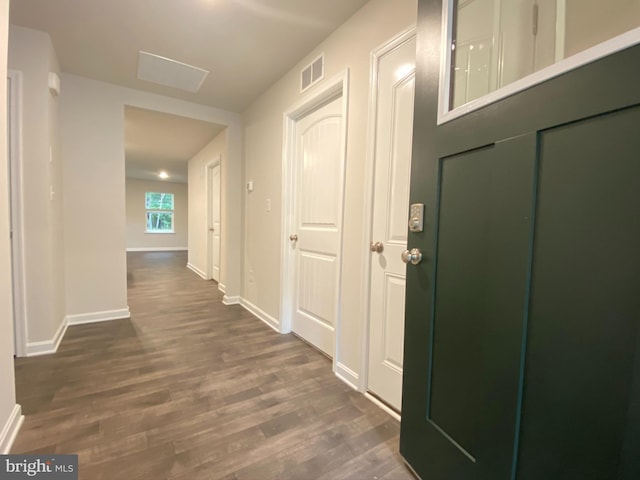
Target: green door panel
x: 585, y: 303
x: 482, y: 262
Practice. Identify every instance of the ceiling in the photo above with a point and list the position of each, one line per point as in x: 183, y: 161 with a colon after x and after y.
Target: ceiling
x: 247, y: 45
x: 155, y: 142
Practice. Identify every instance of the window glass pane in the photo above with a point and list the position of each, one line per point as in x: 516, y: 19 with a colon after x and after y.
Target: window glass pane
x: 496, y: 42
x: 159, y: 222
x: 159, y: 201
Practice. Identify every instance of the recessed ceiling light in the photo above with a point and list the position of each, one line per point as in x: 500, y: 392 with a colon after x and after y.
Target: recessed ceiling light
x: 163, y: 175
x: 170, y: 73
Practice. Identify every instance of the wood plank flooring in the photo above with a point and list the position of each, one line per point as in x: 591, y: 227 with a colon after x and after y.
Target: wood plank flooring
x: 191, y: 389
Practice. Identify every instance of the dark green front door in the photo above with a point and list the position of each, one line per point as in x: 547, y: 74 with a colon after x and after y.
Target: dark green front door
x: 522, y: 336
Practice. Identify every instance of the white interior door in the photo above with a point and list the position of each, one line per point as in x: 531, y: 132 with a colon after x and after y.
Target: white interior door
x: 214, y: 222
x: 392, y: 159
x: 317, y: 221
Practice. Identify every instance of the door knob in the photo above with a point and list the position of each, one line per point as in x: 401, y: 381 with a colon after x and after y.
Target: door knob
x: 211, y: 230
x: 293, y: 238
x: 414, y: 256
x: 377, y: 247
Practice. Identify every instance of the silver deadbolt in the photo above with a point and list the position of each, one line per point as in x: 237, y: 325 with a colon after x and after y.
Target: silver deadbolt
x: 377, y: 247
x: 414, y: 256
x: 293, y: 237
x: 416, y: 217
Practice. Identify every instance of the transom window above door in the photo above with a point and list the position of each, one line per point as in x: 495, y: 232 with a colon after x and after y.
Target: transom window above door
x: 159, y: 212
x: 495, y: 48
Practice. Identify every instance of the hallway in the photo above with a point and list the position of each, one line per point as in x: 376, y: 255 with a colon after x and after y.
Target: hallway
x: 189, y: 388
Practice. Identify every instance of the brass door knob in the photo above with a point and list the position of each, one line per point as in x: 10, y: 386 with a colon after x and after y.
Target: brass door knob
x: 377, y: 247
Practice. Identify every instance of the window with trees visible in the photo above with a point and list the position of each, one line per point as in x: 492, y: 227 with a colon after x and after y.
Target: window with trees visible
x: 159, y: 208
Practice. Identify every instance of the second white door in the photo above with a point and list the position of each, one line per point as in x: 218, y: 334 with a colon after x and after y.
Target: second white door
x: 392, y: 158
x: 214, y: 221
x: 317, y: 224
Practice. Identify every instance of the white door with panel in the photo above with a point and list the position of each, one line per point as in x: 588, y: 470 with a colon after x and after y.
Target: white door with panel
x: 317, y: 224
x: 213, y: 174
x: 392, y: 159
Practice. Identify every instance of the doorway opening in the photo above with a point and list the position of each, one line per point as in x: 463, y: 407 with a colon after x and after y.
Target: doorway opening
x: 313, y: 203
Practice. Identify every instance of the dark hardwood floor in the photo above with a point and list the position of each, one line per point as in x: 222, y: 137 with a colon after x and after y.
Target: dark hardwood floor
x: 191, y: 389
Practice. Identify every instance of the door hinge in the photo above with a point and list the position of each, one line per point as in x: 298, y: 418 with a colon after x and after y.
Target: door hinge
x: 536, y: 12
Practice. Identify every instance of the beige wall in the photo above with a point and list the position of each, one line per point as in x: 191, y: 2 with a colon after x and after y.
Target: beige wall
x: 198, y: 221
x: 92, y: 136
x: 8, y: 407
x: 349, y: 46
x: 136, y: 216
x: 31, y: 53
x: 590, y: 22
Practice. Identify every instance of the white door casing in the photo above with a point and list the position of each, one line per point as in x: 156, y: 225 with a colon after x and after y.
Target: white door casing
x: 313, y: 203
x: 14, y: 150
x: 393, y: 68
x: 213, y: 223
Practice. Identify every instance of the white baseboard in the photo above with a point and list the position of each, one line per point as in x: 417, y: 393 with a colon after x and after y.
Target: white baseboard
x: 347, y: 375
x: 222, y: 287
x: 10, y: 430
x: 227, y: 300
x: 157, y: 249
x: 47, y: 347
x: 197, y: 271
x: 95, y: 317
x: 261, y: 314
x: 383, y: 406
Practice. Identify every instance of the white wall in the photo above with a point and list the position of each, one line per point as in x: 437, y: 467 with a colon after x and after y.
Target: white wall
x: 137, y: 238
x: 9, y: 411
x: 590, y: 22
x: 198, y: 221
x: 31, y: 53
x: 92, y: 133
x: 349, y: 46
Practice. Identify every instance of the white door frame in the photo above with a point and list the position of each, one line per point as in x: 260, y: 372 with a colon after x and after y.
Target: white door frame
x: 338, y: 86
x: 376, y: 56
x: 17, y: 215
x: 217, y: 161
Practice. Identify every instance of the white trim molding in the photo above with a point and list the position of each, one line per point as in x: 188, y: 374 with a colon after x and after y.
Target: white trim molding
x: 47, y: 347
x: 347, y: 375
x: 96, y: 317
x: 197, y: 271
x: 10, y: 430
x: 269, y: 320
x: 20, y: 324
x: 383, y: 406
x: 157, y: 249
x: 234, y: 300
x: 222, y: 287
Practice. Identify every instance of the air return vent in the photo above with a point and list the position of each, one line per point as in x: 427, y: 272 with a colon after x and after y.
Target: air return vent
x: 170, y: 73
x: 312, y: 73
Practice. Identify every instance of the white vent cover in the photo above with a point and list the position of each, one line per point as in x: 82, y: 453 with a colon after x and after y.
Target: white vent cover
x: 170, y: 73
x: 312, y: 73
